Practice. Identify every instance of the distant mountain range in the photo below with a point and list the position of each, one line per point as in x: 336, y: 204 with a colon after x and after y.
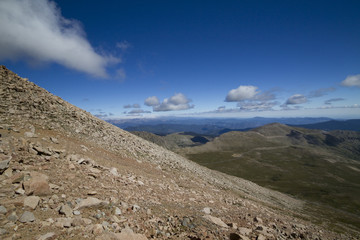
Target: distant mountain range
x: 216, y: 127
x: 351, y: 125
x: 205, y: 126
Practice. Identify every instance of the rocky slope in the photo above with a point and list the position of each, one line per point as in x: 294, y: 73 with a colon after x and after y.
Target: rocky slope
x: 65, y: 174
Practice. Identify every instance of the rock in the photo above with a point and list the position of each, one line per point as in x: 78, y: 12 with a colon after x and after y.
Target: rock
x: 90, y: 202
x: 27, y: 217
x: 128, y: 234
x: 66, y: 210
x: 234, y: 236
x: 207, y: 210
x: 135, y: 208
x: 117, y: 211
x: 233, y: 225
x: 37, y: 185
x: 261, y: 237
x: 20, y: 191
x: 97, y: 229
x: 258, y: 220
x: 31, y: 202
x: 48, y: 236
x: 4, y: 165
x: 3, y: 210
x: 64, y: 222
x: 3, y: 231
x: 92, y: 193
x: 17, y: 178
x: 13, y: 217
x: 216, y: 220
x: 114, y: 172
x: 76, y: 212
x: 244, y: 231
x: 42, y: 151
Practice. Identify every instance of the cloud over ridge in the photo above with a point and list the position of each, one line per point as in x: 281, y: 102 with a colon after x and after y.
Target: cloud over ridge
x: 37, y: 32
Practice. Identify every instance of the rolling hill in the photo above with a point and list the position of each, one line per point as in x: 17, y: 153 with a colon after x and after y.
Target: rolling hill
x: 319, y: 167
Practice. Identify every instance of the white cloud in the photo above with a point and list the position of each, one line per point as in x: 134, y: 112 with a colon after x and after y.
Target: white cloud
x: 37, y: 32
x: 351, y: 81
x: 177, y: 102
x: 296, y: 99
x: 124, y: 45
x: 241, y: 93
x: 152, y: 101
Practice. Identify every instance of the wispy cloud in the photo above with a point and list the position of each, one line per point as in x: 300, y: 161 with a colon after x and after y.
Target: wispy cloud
x: 135, y: 105
x: 175, y: 103
x: 256, y: 106
x: 124, y: 45
x: 351, y: 81
x: 138, y: 111
x: 36, y: 31
x: 320, y: 92
x: 330, y: 101
x: 296, y: 99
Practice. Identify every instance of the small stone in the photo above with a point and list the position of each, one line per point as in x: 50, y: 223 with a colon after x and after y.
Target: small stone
x: 92, y: 193
x: 207, y: 210
x: 3, y: 231
x: 27, y: 217
x: 20, y: 191
x: 3, y: 210
x: 117, y: 211
x: 216, y: 220
x: 90, y: 202
x: 31, y: 202
x: 64, y: 222
x: 4, y: 165
x: 66, y: 210
x: 233, y: 225
x: 76, y: 212
x: 72, y: 166
x: 13, y: 217
x: 261, y: 237
x: 244, y: 231
x: 135, y: 208
x: 48, y: 236
x: 114, y: 171
x: 97, y: 229
x: 258, y: 220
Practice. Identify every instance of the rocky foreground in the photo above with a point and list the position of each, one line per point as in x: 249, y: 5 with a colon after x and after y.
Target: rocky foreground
x: 65, y: 174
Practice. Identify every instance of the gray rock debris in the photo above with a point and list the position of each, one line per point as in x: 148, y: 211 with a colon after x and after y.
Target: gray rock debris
x: 27, y: 217
x: 4, y: 165
x: 3, y: 210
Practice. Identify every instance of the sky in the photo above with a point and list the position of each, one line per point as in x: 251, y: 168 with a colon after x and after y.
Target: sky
x: 129, y: 59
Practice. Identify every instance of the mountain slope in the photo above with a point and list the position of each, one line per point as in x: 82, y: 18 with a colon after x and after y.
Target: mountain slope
x: 316, y: 166
x: 65, y: 174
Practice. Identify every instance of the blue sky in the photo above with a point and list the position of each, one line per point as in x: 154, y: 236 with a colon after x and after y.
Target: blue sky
x: 122, y: 59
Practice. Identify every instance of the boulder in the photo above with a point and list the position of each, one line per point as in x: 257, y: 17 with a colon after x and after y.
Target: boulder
x: 37, y: 185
